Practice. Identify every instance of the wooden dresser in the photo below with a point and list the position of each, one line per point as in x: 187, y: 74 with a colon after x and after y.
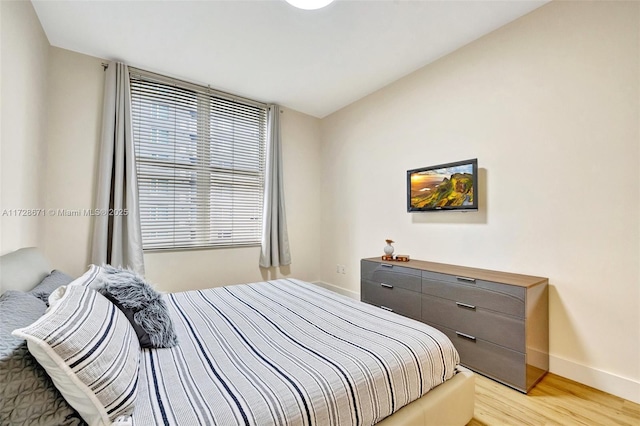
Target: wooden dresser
x: 498, y: 321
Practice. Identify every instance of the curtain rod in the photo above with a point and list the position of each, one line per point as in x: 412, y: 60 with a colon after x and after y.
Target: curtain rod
x: 221, y: 93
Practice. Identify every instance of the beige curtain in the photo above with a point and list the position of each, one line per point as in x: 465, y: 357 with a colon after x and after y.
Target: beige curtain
x: 117, y: 238
x: 275, y: 239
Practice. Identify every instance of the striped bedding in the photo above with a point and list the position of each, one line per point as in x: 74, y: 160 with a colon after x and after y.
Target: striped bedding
x: 286, y: 352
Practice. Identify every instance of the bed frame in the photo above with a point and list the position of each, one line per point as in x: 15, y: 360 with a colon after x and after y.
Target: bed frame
x: 451, y: 403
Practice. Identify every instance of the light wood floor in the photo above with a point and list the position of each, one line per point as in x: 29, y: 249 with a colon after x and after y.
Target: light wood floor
x: 553, y: 401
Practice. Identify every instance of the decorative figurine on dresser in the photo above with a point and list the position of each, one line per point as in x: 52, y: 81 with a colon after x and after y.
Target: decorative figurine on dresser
x: 388, y: 250
x: 498, y: 321
x: 388, y: 253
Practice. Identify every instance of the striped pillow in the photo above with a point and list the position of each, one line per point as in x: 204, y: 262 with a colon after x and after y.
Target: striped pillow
x: 90, y: 351
x: 88, y: 279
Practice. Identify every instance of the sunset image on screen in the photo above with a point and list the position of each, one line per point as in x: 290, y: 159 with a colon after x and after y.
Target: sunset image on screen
x: 439, y: 188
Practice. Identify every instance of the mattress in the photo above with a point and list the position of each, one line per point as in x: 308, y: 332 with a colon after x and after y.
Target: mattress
x: 286, y: 352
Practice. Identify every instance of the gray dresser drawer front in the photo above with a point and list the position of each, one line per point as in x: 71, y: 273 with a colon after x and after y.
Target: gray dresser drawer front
x: 513, y: 290
x: 392, y: 274
x: 397, y: 299
x: 501, y: 364
x: 502, y: 298
x: 487, y: 325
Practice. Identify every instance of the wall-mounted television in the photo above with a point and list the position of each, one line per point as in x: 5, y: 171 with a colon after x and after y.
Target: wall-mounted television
x: 452, y: 186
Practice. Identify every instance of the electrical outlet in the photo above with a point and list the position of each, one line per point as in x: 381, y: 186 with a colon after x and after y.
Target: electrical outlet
x: 337, y: 269
x: 342, y: 269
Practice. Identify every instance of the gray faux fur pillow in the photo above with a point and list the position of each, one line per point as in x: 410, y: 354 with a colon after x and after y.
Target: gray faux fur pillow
x: 142, y: 305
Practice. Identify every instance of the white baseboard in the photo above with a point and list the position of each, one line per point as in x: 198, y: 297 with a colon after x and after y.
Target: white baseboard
x: 339, y: 290
x: 607, y: 382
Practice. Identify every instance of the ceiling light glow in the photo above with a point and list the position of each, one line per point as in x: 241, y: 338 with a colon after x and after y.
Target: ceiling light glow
x: 309, y: 4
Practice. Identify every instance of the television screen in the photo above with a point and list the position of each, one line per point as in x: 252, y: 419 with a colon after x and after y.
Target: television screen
x: 452, y: 186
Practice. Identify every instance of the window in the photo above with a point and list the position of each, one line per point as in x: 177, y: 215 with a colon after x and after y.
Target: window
x: 200, y: 159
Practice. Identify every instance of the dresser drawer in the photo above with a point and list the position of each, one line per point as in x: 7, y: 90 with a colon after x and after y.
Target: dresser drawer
x: 397, y: 299
x: 501, y: 364
x: 487, y: 325
x: 497, y: 297
x: 392, y: 274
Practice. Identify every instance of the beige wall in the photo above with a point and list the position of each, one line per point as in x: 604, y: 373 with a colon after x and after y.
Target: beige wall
x: 549, y: 106
x: 75, y: 118
x: 23, y: 86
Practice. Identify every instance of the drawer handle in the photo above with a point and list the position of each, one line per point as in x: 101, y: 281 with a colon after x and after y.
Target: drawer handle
x: 386, y: 309
x: 466, y: 280
x: 464, y: 305
x: 386, y: 285
x: 386, y: 265
x: 466, y: 336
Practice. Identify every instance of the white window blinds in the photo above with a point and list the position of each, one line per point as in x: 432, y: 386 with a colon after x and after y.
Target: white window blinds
x: 200, y: 158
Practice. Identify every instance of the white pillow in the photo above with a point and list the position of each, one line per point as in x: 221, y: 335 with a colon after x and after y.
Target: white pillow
x: 55, y: 296
x: 90, y: 351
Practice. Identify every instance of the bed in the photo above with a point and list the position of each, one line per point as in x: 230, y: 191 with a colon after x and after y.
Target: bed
x: 288, y: 352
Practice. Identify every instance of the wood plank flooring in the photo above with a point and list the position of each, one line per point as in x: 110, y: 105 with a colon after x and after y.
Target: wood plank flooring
x: 553, y: 401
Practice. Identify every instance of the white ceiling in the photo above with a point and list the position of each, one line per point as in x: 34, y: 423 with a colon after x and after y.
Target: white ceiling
x: 315, y: 62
